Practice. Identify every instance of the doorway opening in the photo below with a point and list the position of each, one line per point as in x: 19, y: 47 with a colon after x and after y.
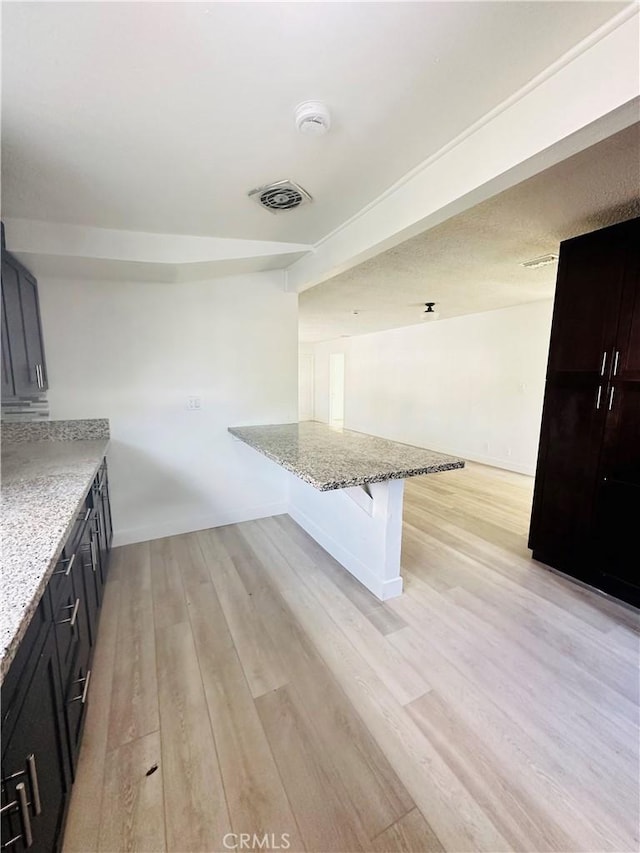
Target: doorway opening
x: 305, y: 387
x: 336, y: 389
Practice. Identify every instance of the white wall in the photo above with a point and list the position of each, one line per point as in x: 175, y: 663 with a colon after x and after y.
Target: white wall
x: 471, y: 386
x: 134, y: 352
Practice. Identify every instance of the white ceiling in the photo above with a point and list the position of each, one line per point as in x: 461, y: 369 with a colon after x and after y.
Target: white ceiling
x: 471, y: 262
x: 161, y: 116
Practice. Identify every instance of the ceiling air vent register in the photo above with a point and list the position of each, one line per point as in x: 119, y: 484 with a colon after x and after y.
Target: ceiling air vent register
x: 542, y: 261
x: 281, y: 195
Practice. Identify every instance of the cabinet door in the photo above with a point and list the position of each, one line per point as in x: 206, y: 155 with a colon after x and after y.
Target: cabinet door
x: 33, y: 328
x: 70, y: 618
x: 8, y: 390
x: 585, y: 322
x: 99, y: 527
x: 104, y: 527
x: 76, y: 689
x: 587, y: 303
x: 89, y: 554
x: 106, y: 509
x: 23, y: 381
x: 39, y: 732
x: 24, y: 335
x: 619, y: 486
x: 76, y: 697
x: 566, y: 483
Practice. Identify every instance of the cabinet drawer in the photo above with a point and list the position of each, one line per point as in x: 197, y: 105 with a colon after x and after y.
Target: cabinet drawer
x: 35, y: 757
x: 82, y: 518
x: 23, y: 329
x: 61, y: 581
x: 72, y: 638
x: 75, y: 706
x: 16, y: 681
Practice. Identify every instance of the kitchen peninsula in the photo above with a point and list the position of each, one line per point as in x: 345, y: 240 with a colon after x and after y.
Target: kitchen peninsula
x: 346, y: 492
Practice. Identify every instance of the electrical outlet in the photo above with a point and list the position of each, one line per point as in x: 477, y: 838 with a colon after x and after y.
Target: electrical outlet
x: 194, y: 404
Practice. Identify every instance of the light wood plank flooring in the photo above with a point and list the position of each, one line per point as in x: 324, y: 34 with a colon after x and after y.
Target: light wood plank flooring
x: 493, y: 706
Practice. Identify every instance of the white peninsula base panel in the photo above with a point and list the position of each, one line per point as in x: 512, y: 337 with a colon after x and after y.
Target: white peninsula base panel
x: 360, y: 526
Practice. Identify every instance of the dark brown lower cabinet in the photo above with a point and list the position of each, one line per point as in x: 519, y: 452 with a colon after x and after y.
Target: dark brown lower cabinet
x: 46, y: 691
x: 88, y: 553
x: 587, y: 493
x: 35, y: 780
x: 104, y: 529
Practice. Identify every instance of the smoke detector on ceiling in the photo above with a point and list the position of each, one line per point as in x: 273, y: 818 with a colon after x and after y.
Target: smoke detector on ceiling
x: 542, y: 261
x: 313, y: 118
x: 281, y: 195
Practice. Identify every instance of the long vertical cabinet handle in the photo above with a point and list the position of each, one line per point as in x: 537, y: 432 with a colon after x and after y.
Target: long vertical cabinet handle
x: 66, y: 572
x: 27, y: 836
x: 611, y: 397
x: 74, y: 615
x: 615, y: 362
x: 36, y: 805
x: 92, y: 550
x: 602, y: 369
x: 83, y: 696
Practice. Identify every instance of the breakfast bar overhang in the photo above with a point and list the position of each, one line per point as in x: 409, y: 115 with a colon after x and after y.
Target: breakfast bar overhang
x: 346, y: 490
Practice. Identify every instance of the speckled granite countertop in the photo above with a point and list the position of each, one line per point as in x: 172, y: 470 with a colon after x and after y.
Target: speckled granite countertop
x: 43, y: 486
x: 329, y: 459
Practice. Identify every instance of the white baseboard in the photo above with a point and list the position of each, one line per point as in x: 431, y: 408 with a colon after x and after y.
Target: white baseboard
x: 380, y: 588
x: 507, y: 464
x: 497, y: 462
x: 174, y: 527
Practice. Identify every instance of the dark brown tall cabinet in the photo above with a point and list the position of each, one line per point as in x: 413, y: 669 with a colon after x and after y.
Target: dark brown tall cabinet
x: 586, y: 507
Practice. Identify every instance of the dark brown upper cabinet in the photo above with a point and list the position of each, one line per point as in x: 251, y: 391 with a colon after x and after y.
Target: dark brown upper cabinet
x: 24, y: 372
x: 587, y: 490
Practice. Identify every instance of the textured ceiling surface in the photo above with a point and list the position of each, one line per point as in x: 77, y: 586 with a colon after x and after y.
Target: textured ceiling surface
x: 162, y: 116
x: 472, y: 262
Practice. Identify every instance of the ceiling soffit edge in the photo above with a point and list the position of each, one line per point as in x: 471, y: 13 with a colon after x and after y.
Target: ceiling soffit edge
x: 330, y: 254
x: 34, y: 237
